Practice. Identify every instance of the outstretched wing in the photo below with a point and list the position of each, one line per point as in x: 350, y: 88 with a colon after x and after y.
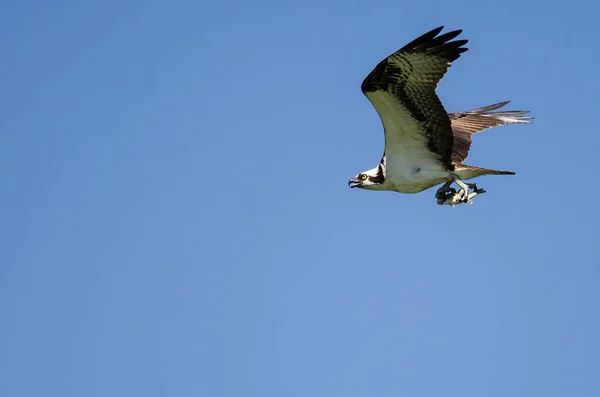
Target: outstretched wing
x: 467, y: 123
x: 402, y: 90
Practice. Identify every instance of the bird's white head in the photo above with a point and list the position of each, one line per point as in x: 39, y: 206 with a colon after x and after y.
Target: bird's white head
x: 372, y: 179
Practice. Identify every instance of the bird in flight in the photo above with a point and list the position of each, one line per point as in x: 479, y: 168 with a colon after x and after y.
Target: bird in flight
x: 425, y: 145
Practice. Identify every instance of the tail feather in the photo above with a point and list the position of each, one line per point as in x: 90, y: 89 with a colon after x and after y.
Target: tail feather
x: 469, y: 171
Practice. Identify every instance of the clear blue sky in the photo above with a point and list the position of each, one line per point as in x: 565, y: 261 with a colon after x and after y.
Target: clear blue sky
x: 176, y: 219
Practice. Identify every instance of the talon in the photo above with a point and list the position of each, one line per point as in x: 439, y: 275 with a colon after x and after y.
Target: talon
x: 445, y: 191
x: 446, y: 195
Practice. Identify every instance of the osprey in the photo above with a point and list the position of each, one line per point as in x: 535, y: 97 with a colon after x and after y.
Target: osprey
x: 425, y: 145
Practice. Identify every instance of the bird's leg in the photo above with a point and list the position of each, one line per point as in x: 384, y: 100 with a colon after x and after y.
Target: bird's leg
x: 448, y: 195
x: 466, y: 196
x: 464, y: 188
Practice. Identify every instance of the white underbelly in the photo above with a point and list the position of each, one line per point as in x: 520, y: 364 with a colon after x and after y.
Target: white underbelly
x: 406, y: 173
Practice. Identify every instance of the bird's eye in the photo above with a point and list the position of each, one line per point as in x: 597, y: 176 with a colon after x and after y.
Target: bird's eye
x: 362, y: 177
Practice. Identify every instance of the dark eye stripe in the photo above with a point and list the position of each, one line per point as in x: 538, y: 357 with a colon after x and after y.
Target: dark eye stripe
x: 379, y: 178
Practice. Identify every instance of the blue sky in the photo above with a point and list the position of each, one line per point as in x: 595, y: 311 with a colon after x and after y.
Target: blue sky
x: 176, y: 218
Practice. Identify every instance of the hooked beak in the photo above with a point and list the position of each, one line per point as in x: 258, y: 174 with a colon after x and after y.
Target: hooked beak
x: 354, y: 182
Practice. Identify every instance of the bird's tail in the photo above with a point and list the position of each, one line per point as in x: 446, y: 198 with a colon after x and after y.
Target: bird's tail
x: 469, y: 171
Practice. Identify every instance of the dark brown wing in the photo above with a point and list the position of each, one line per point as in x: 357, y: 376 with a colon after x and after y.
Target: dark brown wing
x: 467, y: 123
x: 402, y: 90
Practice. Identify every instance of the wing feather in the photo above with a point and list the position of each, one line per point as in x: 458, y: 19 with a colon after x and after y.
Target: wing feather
x: 465, y: 124
x: 402, y: 90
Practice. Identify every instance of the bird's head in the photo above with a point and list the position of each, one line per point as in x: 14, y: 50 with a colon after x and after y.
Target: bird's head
x: 371, y: 179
